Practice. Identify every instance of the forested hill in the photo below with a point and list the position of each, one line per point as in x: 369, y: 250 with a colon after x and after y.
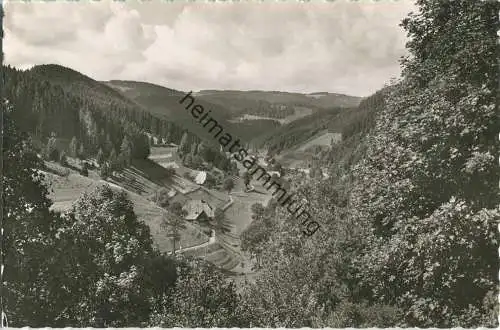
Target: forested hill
x: 409, y: 213
x: 346, y: 121
x: 77, y: 83
x: 52, y: 99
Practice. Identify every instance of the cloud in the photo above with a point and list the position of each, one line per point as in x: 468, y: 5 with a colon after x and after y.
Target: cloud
x: 342, y: 46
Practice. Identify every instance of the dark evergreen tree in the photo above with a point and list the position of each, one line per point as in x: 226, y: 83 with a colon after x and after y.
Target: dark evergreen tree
x: 188, y: 161
x: 184, y: 144
x: 104, y: 170
x: 100, y: 157
x: 246, y: 179
x: 82, y: 153
x: 51, y: 150
x: 73, y: 147
x: 113, y: 160
x: 62, y: 158
x: 108, y: 145
x: 194, y: 149
x: 125, y: 151
x: 168, y: 138
x: 85, y: 170
x: 228, y: 184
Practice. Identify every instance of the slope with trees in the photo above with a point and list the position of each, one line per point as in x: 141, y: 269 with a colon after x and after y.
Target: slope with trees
x: 409, y: 227
x: 95, y: 265
x: 52, y: 98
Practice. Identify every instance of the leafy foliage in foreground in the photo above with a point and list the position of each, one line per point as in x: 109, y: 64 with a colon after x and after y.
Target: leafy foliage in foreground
x: 411, y: 226
x: 25, y: 210
x: 94, y: 265
x: 105, y: 249
x: 430, y: 178
x: 202, y: 297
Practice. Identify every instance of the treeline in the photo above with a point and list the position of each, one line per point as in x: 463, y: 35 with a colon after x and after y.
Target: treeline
x: 250, y: 130
x: 410, y: 211
x: 200, y: 155
x: 267, y: 109
x: 300, y: 130
x: 362, y: 119
x: 359, y: 123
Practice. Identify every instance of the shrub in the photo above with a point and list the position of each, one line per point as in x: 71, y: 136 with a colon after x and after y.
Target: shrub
x: 84, y: 171
x: 228, y: 184
x: 104, y: 170
x: 161, y: 197
x: 62, y: 159
x: 170, y: 172
x: 348, y: 314
x: 210, y: 182
x: 51, y: 150
x: 188, y: 176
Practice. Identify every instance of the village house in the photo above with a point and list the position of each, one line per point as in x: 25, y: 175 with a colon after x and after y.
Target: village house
x: 199, y: 210
x: 271, y: 173
x: 201, y: 177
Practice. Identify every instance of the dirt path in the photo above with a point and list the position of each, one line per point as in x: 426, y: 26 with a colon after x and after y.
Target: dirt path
x: 211, y: 241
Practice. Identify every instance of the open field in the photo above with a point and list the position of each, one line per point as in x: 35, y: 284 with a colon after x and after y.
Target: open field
x: 322, y: 139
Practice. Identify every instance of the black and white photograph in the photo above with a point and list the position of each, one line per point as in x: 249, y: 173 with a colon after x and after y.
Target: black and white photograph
x: 250, y: 164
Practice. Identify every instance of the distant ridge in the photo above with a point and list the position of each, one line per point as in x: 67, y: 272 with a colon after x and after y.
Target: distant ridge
x: 134, y: 83
x: 270, y: 91
x: 238, y: 100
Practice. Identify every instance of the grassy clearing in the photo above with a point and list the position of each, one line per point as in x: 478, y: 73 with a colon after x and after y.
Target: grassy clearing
x: 63, y: 190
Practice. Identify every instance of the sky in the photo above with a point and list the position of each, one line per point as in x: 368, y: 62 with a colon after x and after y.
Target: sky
x: 340, y: 47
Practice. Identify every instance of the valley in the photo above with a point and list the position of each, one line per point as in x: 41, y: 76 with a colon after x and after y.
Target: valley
x: 162, y: 133
x: 192, y: 165
x: 142, y: 179
x: 95, y: 123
